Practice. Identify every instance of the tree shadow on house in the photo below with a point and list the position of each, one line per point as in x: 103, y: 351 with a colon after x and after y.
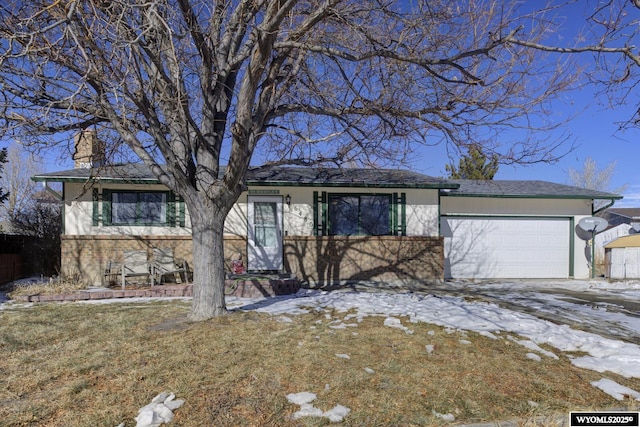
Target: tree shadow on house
x: 338, y: 261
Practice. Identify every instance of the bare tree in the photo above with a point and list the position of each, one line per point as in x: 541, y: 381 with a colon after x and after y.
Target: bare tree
x: 21, y: 166
x: 595, y: 178
x: 41, y: 219
x: 4, y: 195
x: 188, y: 85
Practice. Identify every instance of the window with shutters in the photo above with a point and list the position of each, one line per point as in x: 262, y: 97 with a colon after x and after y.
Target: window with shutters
x: 359, y: 214
x: 138, y: 208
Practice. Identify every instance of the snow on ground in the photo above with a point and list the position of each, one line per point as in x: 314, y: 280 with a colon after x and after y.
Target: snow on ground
x: 616, y: 390
x: 307, y: 409
x: 447, y: 307
x: 569, y: 300
x: 602, y: 354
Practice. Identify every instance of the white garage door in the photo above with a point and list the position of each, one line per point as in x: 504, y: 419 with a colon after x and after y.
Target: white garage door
x: 506, y: 247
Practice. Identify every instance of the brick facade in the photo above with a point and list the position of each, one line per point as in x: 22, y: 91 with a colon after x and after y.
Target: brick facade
x: 316, y: 260
x: 88, y: 255
x: 329, y: 260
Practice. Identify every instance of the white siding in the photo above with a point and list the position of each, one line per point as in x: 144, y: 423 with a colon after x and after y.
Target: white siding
x: 624, y: 263
x: 608, y: 236
x: 421, y: 211
x: 78, y: 214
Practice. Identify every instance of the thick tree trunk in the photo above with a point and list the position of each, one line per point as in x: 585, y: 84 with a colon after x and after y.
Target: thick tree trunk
x: 208, y: 261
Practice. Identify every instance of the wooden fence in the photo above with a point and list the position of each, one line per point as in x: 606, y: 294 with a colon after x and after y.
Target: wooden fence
x: 12, y: 267
x: 13, y: 264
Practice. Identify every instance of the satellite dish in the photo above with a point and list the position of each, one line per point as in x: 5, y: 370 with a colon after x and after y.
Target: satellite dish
x: 593, y: 224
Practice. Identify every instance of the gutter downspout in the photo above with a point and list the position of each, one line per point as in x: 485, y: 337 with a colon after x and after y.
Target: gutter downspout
x: 612, y: 202
x: 593, y: 240
x: 51, y: 191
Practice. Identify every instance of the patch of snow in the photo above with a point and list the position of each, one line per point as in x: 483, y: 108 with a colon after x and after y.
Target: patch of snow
x: 393, y: 322
x: 464, y: 342
x: 429, y: 348
x: 337, y: 414
x: 343, y: 356
x: 488, y: 334
x: 369, y: 371
x: 338, y: 326
x: 301, y: 398
x: 159, y: 411
x: 534, y: 356
x: 307, y: 410
x: 615, y: 390
x: 305, y: 398
x: 533, y: 346
x: 342, y: 325
x: 445, y: 417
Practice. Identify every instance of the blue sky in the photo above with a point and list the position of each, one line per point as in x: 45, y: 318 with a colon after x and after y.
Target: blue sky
x: 594, y: 132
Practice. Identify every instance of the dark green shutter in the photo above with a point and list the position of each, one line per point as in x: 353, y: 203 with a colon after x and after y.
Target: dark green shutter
x: 394, y: 214
x: 171, y: 209
x: 403, y: 213
x: 320, y: 213
x: 96, y: 206
x: 106, y: 207
x: 399, y: 214
x: 181, y: 215
x: 315, y: 213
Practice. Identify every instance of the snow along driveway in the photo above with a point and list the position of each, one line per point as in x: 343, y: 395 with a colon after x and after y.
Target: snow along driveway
x: 448, y: 307
x: 611, y: 310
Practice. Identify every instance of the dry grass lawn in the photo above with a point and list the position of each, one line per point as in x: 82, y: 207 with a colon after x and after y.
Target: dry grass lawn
x: 96, y: 365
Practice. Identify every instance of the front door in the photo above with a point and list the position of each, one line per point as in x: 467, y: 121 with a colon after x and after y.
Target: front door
x: 264, y: 237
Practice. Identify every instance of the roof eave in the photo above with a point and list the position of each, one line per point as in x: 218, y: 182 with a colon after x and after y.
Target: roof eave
x: 434, y: 186
x: 75, y: 179
x: 531, y: 196
x: 111, y: 180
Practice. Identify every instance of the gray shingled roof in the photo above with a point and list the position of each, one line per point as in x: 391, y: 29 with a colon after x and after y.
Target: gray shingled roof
x: 349, y: 177
x: 538, y: 189
x: 624, y: 212
x: 344, y: 177
x: 126, y: 172
x: 272, y: 176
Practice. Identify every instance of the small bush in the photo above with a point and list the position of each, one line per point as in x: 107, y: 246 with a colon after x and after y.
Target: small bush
x: 63, y: 284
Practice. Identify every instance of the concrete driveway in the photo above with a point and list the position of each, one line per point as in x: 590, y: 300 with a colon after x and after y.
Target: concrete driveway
x: 611, y: 310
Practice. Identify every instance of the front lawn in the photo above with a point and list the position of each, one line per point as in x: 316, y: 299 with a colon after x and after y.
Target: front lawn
x: 98, y: 364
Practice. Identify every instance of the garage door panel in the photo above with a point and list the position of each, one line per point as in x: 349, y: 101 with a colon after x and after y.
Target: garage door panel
x: 506, y: 248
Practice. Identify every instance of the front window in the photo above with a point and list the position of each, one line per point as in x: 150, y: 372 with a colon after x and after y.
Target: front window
x: 138, y: 208
x: 359, y: 215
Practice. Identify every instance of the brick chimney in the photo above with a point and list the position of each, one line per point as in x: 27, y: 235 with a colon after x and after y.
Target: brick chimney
x: 89, y: 151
